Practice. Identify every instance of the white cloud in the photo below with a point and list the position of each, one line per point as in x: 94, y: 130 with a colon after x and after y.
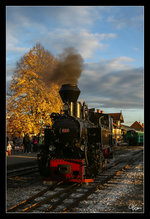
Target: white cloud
x: 113, y: 83
x: 83, y: 40
x: 120, y: 21
x: 77, y: 15
x: 120, y: 63
x: 14, y: 48
x: 68, y: 16
x: 59, y: 27
x: 104, y: 67
x: 12, y: 42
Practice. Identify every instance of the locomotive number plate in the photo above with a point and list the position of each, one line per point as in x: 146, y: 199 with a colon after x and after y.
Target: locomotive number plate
x: 65, y: 130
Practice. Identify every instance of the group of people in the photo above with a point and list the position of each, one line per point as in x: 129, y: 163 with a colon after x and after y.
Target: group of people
x: 27, y: 144
x: 30, y: 145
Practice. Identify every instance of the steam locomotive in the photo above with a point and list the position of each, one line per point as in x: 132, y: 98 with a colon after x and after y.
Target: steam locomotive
x: 78, y: 144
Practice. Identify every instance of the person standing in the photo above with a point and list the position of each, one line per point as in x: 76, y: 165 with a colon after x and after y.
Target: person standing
x: 26, y: 142
x: 14, y: 140
x: 34, y: 142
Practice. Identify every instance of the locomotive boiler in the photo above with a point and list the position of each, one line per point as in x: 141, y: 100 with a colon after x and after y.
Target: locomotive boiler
x: 78, y: 144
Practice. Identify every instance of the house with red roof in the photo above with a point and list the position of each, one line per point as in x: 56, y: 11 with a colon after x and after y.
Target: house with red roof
x: 138, y: 126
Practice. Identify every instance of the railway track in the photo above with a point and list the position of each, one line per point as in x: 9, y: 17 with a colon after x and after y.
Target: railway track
x: 64, y: 198
x: 31, y: 203
x: 22, y: 171
x: 23, y: 177
x: 102, y: 179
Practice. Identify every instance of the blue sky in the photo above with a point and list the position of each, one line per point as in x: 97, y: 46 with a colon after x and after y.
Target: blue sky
x: 109, y: 38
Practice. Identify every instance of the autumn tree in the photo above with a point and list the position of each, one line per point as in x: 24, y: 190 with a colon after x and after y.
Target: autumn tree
x: 33, y: 97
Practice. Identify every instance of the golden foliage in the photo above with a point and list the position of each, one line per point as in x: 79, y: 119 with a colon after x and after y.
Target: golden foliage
x: 33, y: 99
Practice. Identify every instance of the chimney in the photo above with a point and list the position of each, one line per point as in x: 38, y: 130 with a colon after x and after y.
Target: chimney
x: 69, y: 93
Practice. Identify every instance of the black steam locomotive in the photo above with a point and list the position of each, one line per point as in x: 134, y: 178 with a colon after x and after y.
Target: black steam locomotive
x: 79, y: 143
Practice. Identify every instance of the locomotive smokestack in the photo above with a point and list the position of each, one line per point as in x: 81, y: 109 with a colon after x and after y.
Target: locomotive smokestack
x: 69, y: 93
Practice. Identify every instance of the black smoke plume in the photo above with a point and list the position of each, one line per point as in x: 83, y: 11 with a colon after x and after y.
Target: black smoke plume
x: 68, y: 68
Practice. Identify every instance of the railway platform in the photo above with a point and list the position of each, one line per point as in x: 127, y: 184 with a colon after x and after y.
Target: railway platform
x: 19, y: 159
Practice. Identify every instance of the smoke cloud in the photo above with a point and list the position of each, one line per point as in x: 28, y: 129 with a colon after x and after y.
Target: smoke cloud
x: 68, y: 68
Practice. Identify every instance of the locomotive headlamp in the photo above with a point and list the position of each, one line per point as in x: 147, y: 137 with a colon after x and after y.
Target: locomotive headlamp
x: 51, y: 148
